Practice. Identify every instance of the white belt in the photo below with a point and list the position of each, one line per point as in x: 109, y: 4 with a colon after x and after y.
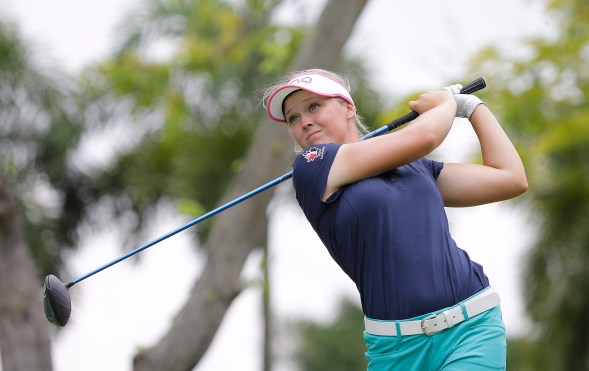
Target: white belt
x: 435, y: 323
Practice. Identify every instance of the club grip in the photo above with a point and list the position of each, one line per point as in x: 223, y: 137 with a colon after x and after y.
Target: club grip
x: 471, y: 87
x: 475, y: 85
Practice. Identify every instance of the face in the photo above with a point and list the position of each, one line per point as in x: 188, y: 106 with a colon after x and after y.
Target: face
x: 314, y: 119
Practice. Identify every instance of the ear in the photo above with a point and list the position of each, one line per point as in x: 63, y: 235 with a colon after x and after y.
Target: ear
x: 350, y: 111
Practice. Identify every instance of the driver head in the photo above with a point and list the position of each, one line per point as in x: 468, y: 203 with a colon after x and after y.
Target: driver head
x: 56, y: 299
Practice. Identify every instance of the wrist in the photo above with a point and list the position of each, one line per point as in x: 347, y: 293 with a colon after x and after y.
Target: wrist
x: 466, y: 104
x: 472, y: 106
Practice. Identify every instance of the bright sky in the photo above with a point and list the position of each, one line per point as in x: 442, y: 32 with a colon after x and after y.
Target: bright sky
x: 408, y: 45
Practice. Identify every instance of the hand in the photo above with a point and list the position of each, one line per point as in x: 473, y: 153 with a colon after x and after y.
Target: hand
x: 466, y: 104
x: 429, y: 100
x: 453, y: 89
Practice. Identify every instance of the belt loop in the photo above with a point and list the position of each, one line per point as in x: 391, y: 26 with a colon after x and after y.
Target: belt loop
x: 398, y: 327
x: 464, y: 312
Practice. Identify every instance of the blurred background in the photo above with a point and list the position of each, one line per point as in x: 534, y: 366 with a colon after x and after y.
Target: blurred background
x: 122, y: 120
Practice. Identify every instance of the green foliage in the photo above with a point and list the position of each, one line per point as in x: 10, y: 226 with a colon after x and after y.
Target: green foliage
x: 368, y: 101
x: 129, y: 74
x: 335, y: 346
x: 520, y: 355
x: 201, y: 92
x: 200, y: 97
x: 40, y: 128
x: 542, y: 99
x: 178, y: 104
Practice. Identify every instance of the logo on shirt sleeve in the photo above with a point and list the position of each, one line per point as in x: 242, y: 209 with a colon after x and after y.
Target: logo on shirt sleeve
x: 313, y: 152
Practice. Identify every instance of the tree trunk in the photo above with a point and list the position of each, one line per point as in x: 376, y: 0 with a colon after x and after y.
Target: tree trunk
x: 24, y: 338
x: 267, y: 352
x: 240, y: 230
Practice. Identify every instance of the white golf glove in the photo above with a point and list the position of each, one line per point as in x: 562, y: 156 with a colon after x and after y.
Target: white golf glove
x: 466, y: 103
x: 453, y: 89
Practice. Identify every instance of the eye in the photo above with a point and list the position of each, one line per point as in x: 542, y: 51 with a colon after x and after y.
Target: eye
x: 292, y: 119
x: 313, y: 107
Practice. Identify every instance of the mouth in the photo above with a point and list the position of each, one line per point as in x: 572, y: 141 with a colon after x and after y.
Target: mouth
x: 312, y: 134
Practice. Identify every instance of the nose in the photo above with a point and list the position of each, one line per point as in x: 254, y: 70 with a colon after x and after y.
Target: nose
x: 307, y: 122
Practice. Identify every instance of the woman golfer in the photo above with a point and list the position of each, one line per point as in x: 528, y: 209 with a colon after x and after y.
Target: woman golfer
x: 378, y: 206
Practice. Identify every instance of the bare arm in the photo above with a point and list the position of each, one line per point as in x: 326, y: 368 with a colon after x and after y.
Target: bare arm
x: 501, y: 176
x: 360, y: 160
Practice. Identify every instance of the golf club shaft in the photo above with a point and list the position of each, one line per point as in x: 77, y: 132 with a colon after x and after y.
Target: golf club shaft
x: 472, y: 87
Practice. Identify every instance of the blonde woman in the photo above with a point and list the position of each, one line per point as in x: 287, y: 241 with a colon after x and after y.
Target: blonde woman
x: 378, y: 206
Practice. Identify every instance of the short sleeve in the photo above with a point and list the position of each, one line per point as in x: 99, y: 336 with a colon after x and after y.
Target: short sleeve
x: 434, y: 167
x: 310, y: 172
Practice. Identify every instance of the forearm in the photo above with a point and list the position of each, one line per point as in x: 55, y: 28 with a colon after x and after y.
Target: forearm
x: 500, y: 177
x: 434, y: 121
x: 364, y: 159
x: 496, y: 148
x: 434, y: 124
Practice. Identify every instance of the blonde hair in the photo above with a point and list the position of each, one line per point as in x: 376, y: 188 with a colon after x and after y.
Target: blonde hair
x: 361, y: 128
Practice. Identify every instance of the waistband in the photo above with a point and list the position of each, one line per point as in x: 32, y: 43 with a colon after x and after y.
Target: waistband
x: 434, y: 323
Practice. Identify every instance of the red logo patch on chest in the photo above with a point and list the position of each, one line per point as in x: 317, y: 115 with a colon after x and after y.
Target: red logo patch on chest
x: 312, y: 153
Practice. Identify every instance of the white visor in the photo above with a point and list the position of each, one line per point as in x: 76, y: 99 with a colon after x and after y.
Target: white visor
x: 314, y: 83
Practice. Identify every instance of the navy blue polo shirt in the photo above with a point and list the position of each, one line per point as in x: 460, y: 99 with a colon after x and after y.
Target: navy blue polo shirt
x: 390, y: 235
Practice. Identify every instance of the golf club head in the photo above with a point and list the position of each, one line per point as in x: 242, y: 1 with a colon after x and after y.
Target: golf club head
x: 56, y: 300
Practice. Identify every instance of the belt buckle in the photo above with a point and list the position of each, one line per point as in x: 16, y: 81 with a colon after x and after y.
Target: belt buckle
x: 424, y: 327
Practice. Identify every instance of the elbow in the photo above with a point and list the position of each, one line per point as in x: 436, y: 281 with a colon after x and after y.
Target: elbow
x: 430, y: 129
x: 520, y: 185
x: 524, y: 186
x: 512, y: 186
x: 429, y: 141
x: 420, y: 142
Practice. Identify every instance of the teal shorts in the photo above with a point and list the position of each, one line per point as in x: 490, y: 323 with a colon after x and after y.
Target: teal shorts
x: 474, y: 345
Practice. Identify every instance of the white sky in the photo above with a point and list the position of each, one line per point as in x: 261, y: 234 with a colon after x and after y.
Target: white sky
x: 408, y: 45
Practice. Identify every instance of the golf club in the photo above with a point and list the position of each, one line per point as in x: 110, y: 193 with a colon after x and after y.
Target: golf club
x: 56, y: 298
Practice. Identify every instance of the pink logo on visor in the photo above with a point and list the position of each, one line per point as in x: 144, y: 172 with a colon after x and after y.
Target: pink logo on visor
x: 314, y: 83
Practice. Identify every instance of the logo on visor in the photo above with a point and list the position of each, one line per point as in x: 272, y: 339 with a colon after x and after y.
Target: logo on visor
x: 302, y: 79
x: 312, y: 153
